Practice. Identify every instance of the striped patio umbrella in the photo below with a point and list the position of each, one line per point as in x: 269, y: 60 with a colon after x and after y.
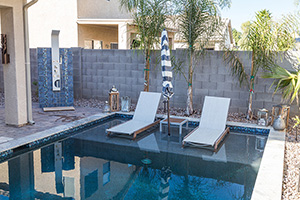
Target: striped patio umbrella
x: 166, y: 69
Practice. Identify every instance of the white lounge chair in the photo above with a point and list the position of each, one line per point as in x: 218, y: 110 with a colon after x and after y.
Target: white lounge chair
x: 211, y: 129
x: 143, y: 117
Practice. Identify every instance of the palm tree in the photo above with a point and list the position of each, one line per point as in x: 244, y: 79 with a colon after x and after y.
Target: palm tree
x: 265, y: 38
x: 149, y: 17
x: 197, y: 21
x: 236, y: 36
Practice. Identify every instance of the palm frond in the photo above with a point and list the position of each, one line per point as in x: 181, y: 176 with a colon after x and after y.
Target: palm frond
x: 237, y: 67
x: 287, y: 82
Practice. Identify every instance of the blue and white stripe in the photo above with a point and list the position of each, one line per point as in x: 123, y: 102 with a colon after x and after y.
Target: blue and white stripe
x: 166, y: 66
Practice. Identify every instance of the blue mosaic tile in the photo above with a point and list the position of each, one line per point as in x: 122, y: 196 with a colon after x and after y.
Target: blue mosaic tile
x: 248, y: 130
x: 123, y: 116
x: 47, y: 97
x: 66, y: 133
x: 193, y: 123
x: 5, y: 155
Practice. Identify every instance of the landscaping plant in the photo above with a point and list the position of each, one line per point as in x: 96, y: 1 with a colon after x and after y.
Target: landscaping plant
x: 197, y: 21
x: 265, y: 38
x: 149, y: 18
x: 286, y: 82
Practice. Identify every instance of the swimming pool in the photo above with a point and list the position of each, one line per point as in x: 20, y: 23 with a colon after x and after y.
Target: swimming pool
x: 90, y: 165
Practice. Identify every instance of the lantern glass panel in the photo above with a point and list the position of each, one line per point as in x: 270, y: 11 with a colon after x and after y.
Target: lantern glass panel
x: 262, y: 117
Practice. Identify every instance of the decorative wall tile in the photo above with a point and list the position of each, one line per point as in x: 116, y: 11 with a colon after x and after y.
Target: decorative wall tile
x: 248, y: 130
x: 47, y: 97
x: 5, y: 155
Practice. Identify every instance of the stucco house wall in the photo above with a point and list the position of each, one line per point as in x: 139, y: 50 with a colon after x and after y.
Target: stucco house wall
x: 14, y: 80
x: 101, y: 20
x: 101, y: 9
x: 46, y: 16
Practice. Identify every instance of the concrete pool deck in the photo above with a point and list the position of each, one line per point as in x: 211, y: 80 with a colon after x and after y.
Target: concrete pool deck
x: 268, y: 183
x: 43, y: 121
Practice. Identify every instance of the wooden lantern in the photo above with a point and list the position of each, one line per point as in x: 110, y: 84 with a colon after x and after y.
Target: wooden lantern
x: 283, y: 110
x: 114, y: 99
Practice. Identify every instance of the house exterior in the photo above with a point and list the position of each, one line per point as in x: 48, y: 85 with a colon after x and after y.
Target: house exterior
x: 98, y: 24
x: 91, y: 24
x: 221, y: 39
x: 14, y: 71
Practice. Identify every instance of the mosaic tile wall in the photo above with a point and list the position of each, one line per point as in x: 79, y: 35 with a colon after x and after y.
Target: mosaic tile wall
x: 47, y: 97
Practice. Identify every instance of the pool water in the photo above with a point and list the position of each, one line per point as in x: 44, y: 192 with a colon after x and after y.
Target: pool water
x: 90, y: 165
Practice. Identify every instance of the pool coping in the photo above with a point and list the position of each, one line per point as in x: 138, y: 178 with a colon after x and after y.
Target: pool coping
x: 268, y: 184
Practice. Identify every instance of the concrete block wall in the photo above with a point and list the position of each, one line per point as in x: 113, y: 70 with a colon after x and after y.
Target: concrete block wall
x: 96, y: 71
x: 101, y: 69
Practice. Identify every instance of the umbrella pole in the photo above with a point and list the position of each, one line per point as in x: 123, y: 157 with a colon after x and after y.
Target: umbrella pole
x: 169, y: 116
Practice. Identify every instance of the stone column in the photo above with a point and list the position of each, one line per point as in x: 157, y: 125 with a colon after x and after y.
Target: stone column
x: 14, y: 72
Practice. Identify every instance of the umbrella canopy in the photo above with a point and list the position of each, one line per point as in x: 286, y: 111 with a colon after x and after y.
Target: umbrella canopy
x: 166, y: 66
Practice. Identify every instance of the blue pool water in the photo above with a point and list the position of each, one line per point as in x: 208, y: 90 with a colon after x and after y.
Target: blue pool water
x: 90, y: 165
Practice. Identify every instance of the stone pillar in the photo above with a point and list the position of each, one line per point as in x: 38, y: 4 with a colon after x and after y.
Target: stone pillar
x: 14, y: 72
x: 123, y: 36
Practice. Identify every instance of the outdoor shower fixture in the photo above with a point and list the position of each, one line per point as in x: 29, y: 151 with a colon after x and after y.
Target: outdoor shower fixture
x: 56, y: 83
x: 5, y: 55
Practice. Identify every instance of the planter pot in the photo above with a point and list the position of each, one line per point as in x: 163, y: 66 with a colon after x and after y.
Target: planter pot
x: 279, y: 124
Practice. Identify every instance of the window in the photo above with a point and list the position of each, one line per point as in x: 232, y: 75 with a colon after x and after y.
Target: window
x: 113, y: 45
x: 97, y: 44
x: 88, y: 44
x: 93, y: 44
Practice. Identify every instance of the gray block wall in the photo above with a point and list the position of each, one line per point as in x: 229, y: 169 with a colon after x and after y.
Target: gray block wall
x: 96, y: 71
x: 101, y: 69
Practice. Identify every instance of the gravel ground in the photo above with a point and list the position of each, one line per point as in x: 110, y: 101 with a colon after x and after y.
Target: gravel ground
x: 292, y: 146
x: 291, y: 160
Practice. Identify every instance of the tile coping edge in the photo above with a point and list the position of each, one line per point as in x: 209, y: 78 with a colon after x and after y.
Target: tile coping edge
x: 268, y: 183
